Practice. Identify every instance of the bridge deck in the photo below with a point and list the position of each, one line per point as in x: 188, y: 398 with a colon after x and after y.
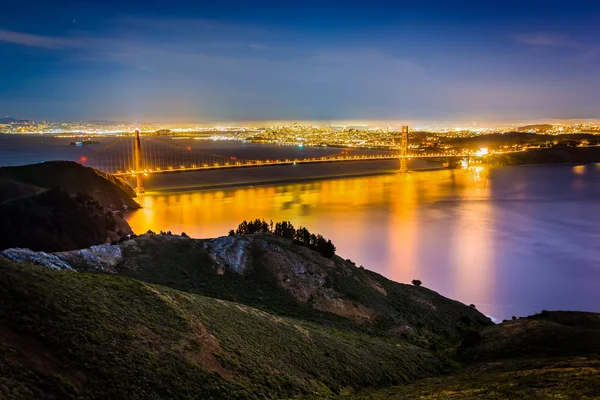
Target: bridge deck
x: 273, y: 163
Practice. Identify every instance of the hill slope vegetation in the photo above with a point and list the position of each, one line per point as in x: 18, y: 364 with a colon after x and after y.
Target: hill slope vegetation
x: 148, y: 319
x: 74, y: 335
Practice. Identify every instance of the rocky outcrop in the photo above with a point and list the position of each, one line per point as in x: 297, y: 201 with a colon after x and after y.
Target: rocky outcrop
x: 101, y: 258
x: 298, y: 269
x: 234, y: 252
x: 37, y: 258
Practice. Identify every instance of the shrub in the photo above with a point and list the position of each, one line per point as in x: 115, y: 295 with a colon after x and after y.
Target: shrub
x: 472, y: 338
x: 286, y: 230
x: 417, y: 282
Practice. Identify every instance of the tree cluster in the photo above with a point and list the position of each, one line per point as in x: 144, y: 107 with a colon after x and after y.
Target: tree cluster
x: 285, y: 229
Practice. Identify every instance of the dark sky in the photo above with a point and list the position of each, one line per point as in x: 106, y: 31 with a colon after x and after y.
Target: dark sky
x: 299, y: 60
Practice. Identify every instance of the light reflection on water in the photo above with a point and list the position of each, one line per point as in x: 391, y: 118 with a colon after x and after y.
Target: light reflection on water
x: 512, y: 241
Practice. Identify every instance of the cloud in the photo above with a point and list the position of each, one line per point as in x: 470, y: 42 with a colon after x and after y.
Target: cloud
x: 589, y: 55
x: 545, y: 40
x: 258, y: 46
x: 582, y: 52
x: 45, y: 42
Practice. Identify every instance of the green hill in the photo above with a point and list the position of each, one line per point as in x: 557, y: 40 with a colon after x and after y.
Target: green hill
x: 552, y: 355
x: 295, y: 325
x: 72, y: 335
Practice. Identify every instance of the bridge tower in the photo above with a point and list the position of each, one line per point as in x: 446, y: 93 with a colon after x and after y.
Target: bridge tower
x: 404, y: 149
x: 139, y: 173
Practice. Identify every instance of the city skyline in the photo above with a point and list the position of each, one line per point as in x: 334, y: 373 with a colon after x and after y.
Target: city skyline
x: 11, y: 124
x: 311, y: 61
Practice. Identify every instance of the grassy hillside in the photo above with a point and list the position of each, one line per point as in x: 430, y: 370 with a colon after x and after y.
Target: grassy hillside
x: 73, y: 335
x: 548, y: 335
x: 569, y: 379
x: 552, y: 355
x: 275, y: 275
x: 78, y: 335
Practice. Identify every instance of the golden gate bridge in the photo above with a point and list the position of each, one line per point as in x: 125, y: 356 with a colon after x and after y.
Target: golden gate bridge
x: 147, y: 154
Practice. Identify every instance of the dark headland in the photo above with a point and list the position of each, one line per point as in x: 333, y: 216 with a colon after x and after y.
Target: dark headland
x: 246, y: 316
x: 61, y: 205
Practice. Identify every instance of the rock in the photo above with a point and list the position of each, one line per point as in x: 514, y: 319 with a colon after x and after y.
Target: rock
x: 37, y: 258
x: 232, y: 251
x: 101, y: 258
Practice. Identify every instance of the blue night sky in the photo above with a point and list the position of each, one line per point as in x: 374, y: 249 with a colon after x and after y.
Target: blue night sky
x: 299, y: 60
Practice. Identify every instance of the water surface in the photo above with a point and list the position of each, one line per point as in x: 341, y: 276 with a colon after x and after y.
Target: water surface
x: 512, y: 241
